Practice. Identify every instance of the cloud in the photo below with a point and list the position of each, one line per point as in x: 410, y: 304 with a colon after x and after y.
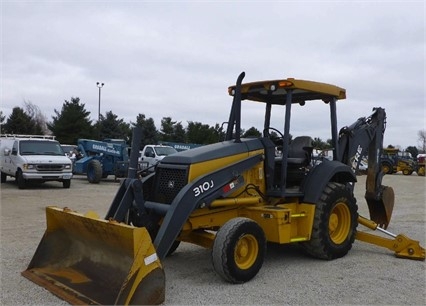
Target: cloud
x: 176, y: 59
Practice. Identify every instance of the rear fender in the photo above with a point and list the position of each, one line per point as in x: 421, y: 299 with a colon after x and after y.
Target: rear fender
x: 318, y: 178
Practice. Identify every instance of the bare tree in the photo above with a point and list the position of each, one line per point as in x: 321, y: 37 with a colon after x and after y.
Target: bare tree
x: 33, y: 111
x: 422, y: 140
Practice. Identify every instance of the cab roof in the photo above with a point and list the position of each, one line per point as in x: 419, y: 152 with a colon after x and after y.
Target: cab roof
x: 275, y: 91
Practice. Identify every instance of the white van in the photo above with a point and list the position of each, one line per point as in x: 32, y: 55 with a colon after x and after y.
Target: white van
x: 34, y: 158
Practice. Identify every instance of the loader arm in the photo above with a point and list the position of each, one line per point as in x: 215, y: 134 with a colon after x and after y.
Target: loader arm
x: 365, y: 136
x: 187, y: 201
x: 175, y: 215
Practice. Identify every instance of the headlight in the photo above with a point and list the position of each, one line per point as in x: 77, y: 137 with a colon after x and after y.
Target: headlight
x: 28, y: 166
x: 67, y: 166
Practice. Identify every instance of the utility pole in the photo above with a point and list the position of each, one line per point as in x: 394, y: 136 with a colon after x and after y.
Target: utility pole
x: 100, y: 85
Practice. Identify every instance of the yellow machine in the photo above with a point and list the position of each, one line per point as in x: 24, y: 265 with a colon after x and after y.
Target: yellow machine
x: 393, y: 161
x: 421, y: 164
x: 233, y: 197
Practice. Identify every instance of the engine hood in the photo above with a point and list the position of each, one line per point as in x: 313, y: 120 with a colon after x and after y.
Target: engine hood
x: 46, y: 159
x: 213, y: 151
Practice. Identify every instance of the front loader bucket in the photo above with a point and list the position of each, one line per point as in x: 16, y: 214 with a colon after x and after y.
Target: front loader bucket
x: 86, y: 260
x: 381, y: 206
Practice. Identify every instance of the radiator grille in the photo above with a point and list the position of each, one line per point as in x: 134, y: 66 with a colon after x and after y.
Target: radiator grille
x: 50, y: 167
x: 169, y: 181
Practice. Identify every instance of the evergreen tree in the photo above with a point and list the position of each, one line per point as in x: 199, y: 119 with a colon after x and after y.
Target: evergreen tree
x: 167, y: 129
x: 219, y: 132
x: 252, y: 132
x: 197, y: 132
x: 179, y: 133
x: 413, y: 151
x: 112, y: 127
x: 20, y: 122
x: 2, y: 118
x: 318, y: 143
x: 149, y: 131
x: 72, y: 122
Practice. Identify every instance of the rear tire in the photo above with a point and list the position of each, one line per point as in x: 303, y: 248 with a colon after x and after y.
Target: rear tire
x: 407, y: 172
x: 20, y: 180
x: 94, y: 171
x: 335, y: 223
x: 238, y: 250
x: 3, y: 177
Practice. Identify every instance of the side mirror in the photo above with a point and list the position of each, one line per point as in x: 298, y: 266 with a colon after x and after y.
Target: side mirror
x: 6, y: 152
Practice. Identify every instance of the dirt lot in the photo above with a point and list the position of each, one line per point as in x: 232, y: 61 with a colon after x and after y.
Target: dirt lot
x: 367, y: 275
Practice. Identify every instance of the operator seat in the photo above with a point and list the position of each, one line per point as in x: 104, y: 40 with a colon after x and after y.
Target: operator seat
x: 299, y: 157
x: 300, y: 151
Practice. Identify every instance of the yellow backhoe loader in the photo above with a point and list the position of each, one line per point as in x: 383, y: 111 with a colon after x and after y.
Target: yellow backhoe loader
x: 233, y: 197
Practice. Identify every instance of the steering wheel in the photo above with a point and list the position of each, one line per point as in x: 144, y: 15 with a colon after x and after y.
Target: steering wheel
x: 278, y: 141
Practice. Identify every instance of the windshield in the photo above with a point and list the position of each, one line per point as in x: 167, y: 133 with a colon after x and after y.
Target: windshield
x: 35, y: 147
x: 164, y: 151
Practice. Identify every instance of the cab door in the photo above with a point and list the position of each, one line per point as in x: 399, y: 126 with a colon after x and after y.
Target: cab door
x: 10, y: 154
x: 149, y: 156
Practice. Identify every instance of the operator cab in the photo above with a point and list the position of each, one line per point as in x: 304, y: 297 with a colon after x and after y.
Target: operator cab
x: 285, y: 173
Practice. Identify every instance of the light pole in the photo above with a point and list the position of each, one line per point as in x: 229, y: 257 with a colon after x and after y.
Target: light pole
x: 100, y: 85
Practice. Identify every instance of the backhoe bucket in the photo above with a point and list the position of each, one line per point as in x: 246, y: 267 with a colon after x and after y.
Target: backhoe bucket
x: 381, y: 208
x: 87, y: 260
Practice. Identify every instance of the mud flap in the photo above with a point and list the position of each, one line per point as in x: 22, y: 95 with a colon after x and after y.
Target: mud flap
x: 87, y: 260
x: 381, y: 207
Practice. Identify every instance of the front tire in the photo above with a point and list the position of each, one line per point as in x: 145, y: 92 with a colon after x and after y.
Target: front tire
x: 94, y: 171
x: 66, y: 184
x: 335, y: 223
x: 3, y: 177
x: 239, y: 250
x: 20, y: 180
x: 387, y: 168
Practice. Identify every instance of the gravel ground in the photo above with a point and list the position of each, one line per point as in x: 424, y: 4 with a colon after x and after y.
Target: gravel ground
x: 367, y: 275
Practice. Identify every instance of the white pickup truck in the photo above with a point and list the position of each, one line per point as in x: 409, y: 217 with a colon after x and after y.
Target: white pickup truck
x: 152, y: 154
x: 34, y: 158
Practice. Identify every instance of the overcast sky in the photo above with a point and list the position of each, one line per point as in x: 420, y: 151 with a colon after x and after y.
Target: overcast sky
x: 177, y: 58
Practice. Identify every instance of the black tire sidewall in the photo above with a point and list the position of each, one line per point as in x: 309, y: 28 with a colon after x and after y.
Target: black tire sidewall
x: 22, y: 184
x: 321, y: 245
x: 66, y: 183
x: 388, y: 167
x: 226, y: 247
x: 94, y: 171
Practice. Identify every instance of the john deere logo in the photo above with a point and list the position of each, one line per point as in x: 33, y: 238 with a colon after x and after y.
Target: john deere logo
x: 171, y: 184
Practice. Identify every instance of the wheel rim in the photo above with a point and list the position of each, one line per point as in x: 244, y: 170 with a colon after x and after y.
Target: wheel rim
x: 246, y: 251
x: 385, y: 169
x: 339, y: 223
